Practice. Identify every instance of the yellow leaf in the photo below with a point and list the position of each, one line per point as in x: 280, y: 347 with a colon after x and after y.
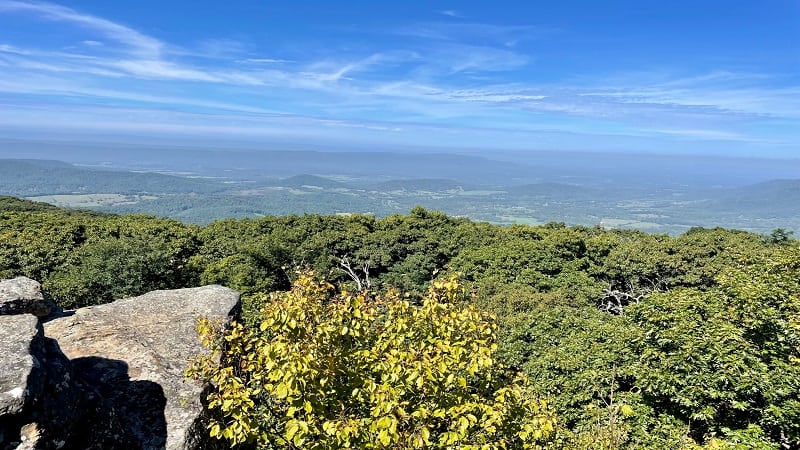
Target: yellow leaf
x: 281, y: 391
x: 626, y: 411
x: 383, y: 437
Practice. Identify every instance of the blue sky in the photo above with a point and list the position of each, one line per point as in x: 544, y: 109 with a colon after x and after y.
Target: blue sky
x: 701, y: 77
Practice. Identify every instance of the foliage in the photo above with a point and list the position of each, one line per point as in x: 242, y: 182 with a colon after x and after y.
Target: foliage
x: 88, y: 259
x: 339, y: 370
x: 727, y: 358
x: 699, y: 350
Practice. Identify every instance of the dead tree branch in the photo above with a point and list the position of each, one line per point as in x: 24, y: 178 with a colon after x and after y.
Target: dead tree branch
x: 363, y: 283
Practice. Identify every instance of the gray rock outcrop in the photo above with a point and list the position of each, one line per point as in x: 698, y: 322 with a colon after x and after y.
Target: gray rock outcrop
x: 21, y: 380
x: 22, y: 295
x: 135, y: 352
x: 108, y: 376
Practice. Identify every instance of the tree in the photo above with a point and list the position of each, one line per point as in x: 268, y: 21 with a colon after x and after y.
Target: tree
x: 119, y: 257
x: 327, y: 370
x: 726, y: 360
x: 778, y: 236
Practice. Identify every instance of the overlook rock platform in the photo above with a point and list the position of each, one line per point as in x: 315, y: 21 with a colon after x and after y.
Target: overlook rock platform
x: 107, y: 376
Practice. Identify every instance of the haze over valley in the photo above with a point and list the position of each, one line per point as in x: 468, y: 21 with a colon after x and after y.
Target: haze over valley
x: 657, y: 193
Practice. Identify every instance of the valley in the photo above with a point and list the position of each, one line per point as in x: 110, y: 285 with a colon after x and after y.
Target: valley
x: 370, y: 185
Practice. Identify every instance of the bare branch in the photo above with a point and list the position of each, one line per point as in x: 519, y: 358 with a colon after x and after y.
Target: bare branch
x: 346, y: 267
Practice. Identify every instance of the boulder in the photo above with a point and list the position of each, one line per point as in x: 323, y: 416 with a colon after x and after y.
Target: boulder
x: 21, y: 377
x: 22, y: 295
x: 21, y: 346
x: 131, y: 354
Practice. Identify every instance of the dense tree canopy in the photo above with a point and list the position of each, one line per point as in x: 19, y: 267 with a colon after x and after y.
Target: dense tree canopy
x: 635, y: 340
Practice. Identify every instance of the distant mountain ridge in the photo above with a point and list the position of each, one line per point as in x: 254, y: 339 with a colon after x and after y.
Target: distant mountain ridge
x: 780, y: 198
x: 774, y: 187
x: 242, y: 164
x: 298, y: 181
x: 759, y: 207
x: 27, y: 178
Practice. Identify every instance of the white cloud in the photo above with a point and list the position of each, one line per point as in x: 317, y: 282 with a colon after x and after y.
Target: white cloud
x: 714, y: 135
x: 221, y: 48
x: 140, y: 44
x: 5, y: 48
x: 57, y: 86
x: 164, y: 70
x: 265, y: 61
x: 473, y: 33
x: 723, y: 93
x: 460, y: 58
x: 42, y: 65
x: 451, y: 13
x: 145, y: 57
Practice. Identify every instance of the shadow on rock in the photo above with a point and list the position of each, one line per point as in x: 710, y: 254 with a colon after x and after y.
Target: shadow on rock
x: 127, y: 414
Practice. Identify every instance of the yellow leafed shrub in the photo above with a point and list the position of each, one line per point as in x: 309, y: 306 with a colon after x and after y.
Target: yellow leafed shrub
x: 337, y: 370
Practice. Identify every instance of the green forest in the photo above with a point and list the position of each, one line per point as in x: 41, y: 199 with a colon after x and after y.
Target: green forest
x: 548, y: 336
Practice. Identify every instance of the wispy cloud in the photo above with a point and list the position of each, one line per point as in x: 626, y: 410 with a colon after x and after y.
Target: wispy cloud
x: 451, y: 13
x: 5, y: 48
x: 460, y: 58
x: 445, y: 75
x: 146, y: 57
x: 140, y: 44
x: 702, y: 134
x: 265, y: 61
x: 483, y: 33
x: 56, y: 86
x: 470, y: 47
x: 328, y: 71
x: 221, y: 48
x: 723, y: 93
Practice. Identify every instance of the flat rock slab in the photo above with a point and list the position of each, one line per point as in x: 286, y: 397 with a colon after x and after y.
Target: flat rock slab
x: 134, y: 352
x: 21, y: 346
x: 21, y: 295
